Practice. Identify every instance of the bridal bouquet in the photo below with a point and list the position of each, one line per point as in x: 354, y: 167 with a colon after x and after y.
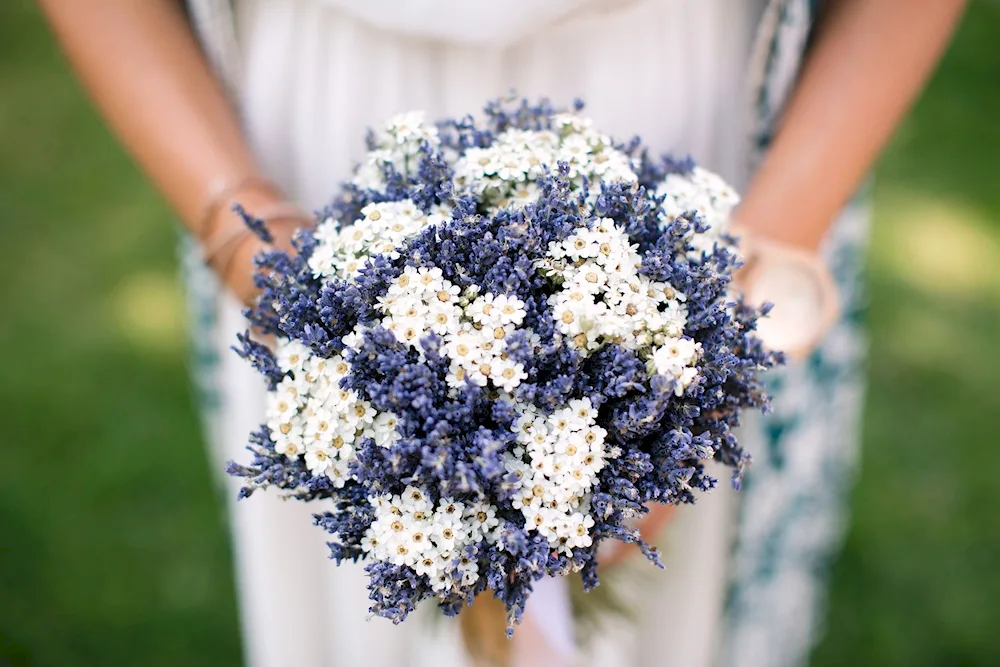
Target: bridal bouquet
x: 501, y: 342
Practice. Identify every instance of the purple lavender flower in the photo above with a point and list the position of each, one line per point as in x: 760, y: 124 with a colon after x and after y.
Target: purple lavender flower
x: 504, y: 340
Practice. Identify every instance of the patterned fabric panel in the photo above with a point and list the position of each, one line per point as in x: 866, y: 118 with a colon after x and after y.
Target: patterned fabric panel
x: 793, y: 506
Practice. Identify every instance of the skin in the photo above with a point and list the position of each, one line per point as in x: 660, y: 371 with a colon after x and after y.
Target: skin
x: 870, y: 61
x: 146, y: 73
x: 142, y: 66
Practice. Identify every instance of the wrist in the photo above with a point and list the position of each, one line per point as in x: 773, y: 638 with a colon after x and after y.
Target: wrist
x: 794, y: 236
x: 230, y: 246
x: 250, y: 190
x: 798, y: 285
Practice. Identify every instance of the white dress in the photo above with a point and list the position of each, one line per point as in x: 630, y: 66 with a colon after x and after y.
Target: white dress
x: 310, y: 80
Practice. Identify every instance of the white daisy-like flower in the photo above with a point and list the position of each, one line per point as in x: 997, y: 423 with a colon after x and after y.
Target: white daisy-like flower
x: 481, y: 310
x: 383, y: 429
x: 288, y: 440
x: 566, y: 450
x: 342, y: 251
x: 510, y: 310
x: 284, y: 402
x: 291, y: 355
x: 338, y: 473
x: 703, y: 192
x: 507, y: 374
x: 320, y: 427
x: 311, y: 416
x: 676, y: 358
x: 571, y: 123
x: 319, y: 457
x: 464, y: 347
x: 504, y: 173
x: 410, y: 127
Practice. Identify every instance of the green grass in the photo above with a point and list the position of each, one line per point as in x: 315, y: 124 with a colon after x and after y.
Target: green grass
x: 112, y: 545
x: 112, y: 542
x: 917, y: 583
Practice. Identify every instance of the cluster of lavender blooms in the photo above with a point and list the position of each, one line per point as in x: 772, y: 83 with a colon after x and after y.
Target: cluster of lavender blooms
x: 502, y: 341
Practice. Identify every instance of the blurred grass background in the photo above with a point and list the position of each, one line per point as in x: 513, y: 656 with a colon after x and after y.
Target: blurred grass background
x: 112, y: 542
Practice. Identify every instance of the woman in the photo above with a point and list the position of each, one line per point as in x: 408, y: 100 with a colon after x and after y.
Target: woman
x: 285, y: 93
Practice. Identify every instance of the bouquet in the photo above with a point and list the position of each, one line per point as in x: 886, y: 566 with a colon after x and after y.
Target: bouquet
x: 503, y: 340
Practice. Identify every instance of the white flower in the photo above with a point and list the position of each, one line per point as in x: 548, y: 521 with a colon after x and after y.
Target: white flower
x: 482, y: 311
x: 478, y: 162
x: 566, y: 449
x: 368, y: 175
x: 319, y: 458
x: 283, y: 404
x: 444, y: 298
x: 410, y: 127
x: 323, y: 260
x: 482, y: 372
x: 288, y: 439
x: 408, y: 530
x: 470, y: 572
x: 428, y: 566
x: 446, y: 535
x: 338, y: 473
x: 291, y: 355
x: 457, y: 376
x: 342, y: 252
x: 320, y: 427
x: 431, y: 279
x: 534, y: 515
x: 704, y: 192
x: 527, y: 192
x: 383, y: 429
x: 464, y: 348
x: 480, y: 519
x: 514, y: 166
x: 570, y: 122
x: 507, y: 374
x: 581, y: 412
x: 570, y: 316
x: 676, y: 358
x: 355, y: 339
x: 675, y: 352
x: 579, y: 530
x: 509, y: 310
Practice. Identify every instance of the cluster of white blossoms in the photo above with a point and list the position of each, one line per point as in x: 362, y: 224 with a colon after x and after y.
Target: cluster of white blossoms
x: 397, y: 144
x: 309, y: 415
x: 604, y: 299
x: 506, y: 172
x: 557, y: 459
x: 410, y: 530
x: 503, y: 174
x: 473, y: 327
x: 495, y: 434
x: 341, y: 251
x: 702, y: 191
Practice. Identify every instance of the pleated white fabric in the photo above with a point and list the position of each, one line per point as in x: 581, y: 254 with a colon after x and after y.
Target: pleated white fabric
x: 475, y: 22
x: 313, y: 79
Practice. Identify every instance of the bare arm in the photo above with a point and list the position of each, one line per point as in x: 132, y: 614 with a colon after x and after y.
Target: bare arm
x: 869, y: 63
x: 141, y: 64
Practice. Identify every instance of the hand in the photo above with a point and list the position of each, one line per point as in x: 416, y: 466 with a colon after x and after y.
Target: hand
x: 796, y: 282
x: 650, y: 526
x: 483, y: 626
x: 239, y: 277
x: 235, y: 265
